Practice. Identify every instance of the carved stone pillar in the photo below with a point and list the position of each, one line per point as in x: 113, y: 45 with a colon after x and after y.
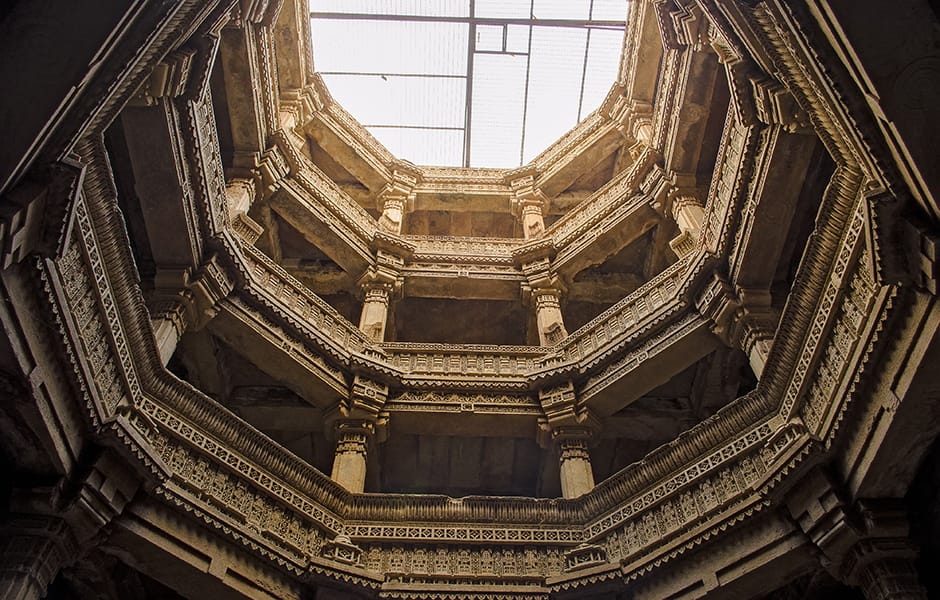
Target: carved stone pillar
x: 374, y: 316
x: 689, y: 215
x: 574, y: 462
x: 168, y: 318
x: 548, y: 317
x: 891, y: 579
x: 527, y: 204
x: 568, y: 425
x: 349, y: 462
x: 49, y: 527
x: 378, y: 285
x: 395, y: 198
x: 240, y: 195
x: 32, y: 550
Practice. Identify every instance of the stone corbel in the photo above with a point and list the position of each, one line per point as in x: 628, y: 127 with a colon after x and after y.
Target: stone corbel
x: 776, y: 106
x: 240, y: 195
x: 37, y: 215
x: 274, y: 164
x: 197, y: 293
x: 866, y: 543
x: 397, y: 197
x: 296, y: 108
x: 742, y: 318
x: 168, y: 79
x: 689, y: 215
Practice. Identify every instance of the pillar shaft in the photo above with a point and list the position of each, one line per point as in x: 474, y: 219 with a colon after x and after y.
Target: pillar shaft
x: 577, y: 476
x: 533, y: 223
x: 393, y: 213
x: 891, y: 579
x: 548, y: 317
x: 349, y: 462
x: 169, y: 324
x: 375, y: 311
x: 32, y: 550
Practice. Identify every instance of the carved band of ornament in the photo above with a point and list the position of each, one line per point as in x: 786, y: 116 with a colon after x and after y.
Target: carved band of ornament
x: 546, y: 298
x: 851, y: 245
x: 838, y: 365
x: 573, y: 449
x: 351, y: 443
x: 730, y: 470
x: 207, y: 163
x: 602, y: 202
x: 488, y: 272
x: 86, y: 287
x: 728, y: 184
x: 459, y: 399
x: 626, y: 319
x: 463, y: 247
x: 377, y: 293
x: 213, y: 467
x: 573, y: 143
x: 477, y: 534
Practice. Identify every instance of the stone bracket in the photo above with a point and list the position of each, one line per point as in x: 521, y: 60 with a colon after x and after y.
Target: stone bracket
x: 37, y: 216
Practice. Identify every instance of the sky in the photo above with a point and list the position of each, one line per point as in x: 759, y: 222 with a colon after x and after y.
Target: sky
x: 402, y: 71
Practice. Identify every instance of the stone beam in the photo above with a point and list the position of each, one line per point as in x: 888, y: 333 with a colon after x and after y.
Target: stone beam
x: 190, y: 560
x: 162, y: 185
x: 780, y: 176
x: 268, y: 347
x: 320, y: 228
x: 629, y: 380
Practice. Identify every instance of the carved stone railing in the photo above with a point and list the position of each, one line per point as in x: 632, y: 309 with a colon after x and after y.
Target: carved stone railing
x: 468, y: 365
x: 448, y: 249
x: 571, y: 144
x: 620, y: 323
x: 578, y: 221
x: 452, y: 363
